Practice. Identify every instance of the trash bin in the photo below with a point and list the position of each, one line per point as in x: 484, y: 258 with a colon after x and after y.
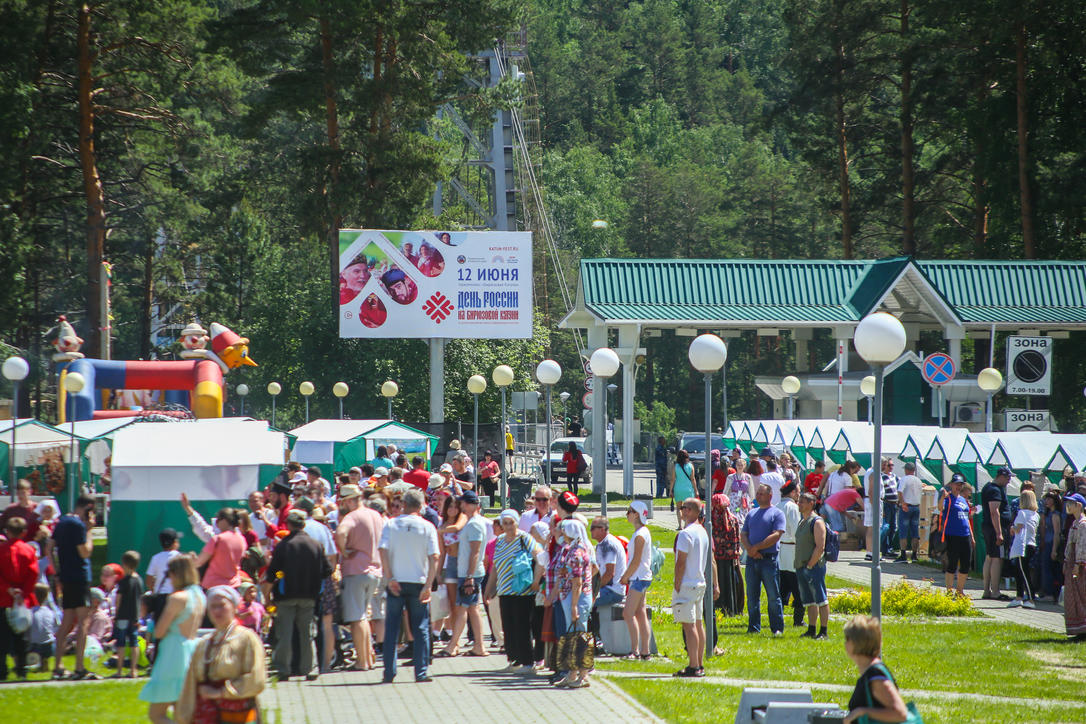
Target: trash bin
x: 648, y: 500
x: 519, y: 490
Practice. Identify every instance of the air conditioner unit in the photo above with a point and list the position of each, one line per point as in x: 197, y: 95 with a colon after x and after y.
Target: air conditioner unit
x: 969, y: 412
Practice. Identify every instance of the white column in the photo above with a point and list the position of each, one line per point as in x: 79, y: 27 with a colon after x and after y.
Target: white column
x: 802, y: 337
x: 597, y: 337
x: 628, y: 339
x: 437, y: 380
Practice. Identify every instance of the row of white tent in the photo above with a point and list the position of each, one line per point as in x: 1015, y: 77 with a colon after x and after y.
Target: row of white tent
x: 941, y: 451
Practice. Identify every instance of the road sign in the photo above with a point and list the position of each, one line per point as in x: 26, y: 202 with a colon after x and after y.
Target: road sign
x: 1027, y: 420
x: 587, y: 366
x: 1029, y: 365
x: 587, y: 400
x: 588, y: 383
x: 938, y: 369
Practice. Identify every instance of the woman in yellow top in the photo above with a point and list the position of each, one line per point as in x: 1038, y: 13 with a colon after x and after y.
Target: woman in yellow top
x: 227, y: 669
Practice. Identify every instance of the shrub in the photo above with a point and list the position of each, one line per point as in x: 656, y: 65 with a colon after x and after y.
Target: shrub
x: 905, y: 599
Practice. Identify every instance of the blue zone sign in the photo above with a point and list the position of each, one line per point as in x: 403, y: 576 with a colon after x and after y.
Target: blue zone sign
x: 938, y: 369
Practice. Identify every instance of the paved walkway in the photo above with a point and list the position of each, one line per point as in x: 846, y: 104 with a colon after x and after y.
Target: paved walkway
x: 463, y: 690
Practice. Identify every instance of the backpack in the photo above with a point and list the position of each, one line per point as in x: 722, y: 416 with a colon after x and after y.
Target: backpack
x: 582, y: 464
x: 833, y: 545
x: 522, y: 570
x: 656, y: 560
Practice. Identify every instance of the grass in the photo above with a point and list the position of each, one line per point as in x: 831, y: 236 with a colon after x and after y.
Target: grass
x: 684, y: 702
x: 100, y: 702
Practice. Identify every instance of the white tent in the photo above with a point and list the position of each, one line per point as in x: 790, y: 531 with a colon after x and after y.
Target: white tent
x: 344, y: 443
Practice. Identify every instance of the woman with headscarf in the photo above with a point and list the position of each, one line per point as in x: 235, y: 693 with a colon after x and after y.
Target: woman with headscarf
x: 227, y: 669
x: 515, y: 575
x: 1074, y: 568
x: 573, y: 596
x: 726, y: 538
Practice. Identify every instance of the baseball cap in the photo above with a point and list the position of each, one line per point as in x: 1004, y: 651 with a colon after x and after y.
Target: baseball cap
x: 296, y: 515
x: 470, y: 498
x: 957, y: 478
x: 445, y: 468
x: 788, y: 487
x: 305, y: 504
x: 765, y: 453
x: 348, y: 491
x: 1004, y: 471
x: 167, y: 536
x: 1075, y: 497
x: 641, y: 509
x: 435, y: 481
x: 298, y: 477
x: 356, y: 470
x: 381, y: 471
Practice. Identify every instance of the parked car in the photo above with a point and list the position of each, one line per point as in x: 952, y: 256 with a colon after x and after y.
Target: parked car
x: 694, y: 443
x: 557, y: 470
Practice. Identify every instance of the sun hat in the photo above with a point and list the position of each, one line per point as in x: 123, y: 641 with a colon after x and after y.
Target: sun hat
x: 641, y: 509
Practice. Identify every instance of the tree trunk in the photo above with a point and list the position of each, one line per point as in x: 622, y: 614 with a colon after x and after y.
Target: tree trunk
x: 1029, y: 248
x: 980, y: 183
x: 92, y: 186
x: 842, y: 155
x: 331, y: 115
x: 908, y: 188
x: 147, y: 298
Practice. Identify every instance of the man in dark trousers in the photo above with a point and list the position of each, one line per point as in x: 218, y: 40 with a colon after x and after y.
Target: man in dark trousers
x: 294, y: 576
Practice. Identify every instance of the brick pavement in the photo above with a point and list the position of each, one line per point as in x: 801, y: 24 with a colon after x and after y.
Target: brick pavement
x: 464, y: 689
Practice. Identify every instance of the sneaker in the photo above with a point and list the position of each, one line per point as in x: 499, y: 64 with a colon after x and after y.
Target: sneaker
x: 688, y: 673
x: 700, y: 673
x: 1014, y: 604
x: 901, y: 559
x: 867, y: 556
x: 778, y: 634
x: 510, y: 669
x: 807, y: 635
x: 525, y: 670
x: 914, y: 559
x: 1028, y: 604
x: 821, y: 636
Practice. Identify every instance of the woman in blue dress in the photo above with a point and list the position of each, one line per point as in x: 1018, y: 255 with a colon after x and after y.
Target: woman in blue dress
x: 176, y: 634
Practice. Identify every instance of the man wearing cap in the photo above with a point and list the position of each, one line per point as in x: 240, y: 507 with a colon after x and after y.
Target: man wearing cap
x: 379, y: 480
x: 417, y: 475
x: 957, y: 535
x: 355, y: 476
x: 469, y: 572
x: 358, y: 538
x: 760, y: 538
x: 279, y: 498
x: 995, y: 525
x: 293, y: 579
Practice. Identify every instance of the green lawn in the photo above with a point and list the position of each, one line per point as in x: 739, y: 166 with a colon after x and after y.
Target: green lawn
x: 100, y: 702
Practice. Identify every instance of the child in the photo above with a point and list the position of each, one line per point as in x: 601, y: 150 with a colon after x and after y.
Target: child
x: 126, y: 624
x: 250, y: 612
x: 44, y: 621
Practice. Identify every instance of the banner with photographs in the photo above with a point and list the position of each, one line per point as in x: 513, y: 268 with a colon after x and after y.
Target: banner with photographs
x: 423, y: 284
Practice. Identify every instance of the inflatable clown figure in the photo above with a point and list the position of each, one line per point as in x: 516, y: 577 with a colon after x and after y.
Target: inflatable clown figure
x: 194, y: 340
x: 66, y: 341
x: 230, y: 350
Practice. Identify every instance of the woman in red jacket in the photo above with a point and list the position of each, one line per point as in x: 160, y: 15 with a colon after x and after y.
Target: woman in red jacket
x: 18, y: 574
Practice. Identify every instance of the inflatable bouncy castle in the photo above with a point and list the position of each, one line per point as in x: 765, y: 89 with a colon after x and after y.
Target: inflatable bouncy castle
x: 195, y: 381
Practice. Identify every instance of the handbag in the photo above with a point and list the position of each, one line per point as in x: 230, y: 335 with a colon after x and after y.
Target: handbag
x: 19, y: 618
x: 913, y: 716
x: 575, y: 651
x: 522, y: 570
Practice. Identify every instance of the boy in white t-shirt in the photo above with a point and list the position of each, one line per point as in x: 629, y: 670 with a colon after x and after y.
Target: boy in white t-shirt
x: 158, y: 582
x: 691, y: 557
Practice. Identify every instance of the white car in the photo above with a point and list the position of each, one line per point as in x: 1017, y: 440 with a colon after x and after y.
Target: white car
x: 558, y: 468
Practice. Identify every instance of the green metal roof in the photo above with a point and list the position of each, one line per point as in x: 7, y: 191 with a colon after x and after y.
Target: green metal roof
x: 827, y: 291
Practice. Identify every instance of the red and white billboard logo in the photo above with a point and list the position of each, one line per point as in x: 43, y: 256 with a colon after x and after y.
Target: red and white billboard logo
x: 438, y: 307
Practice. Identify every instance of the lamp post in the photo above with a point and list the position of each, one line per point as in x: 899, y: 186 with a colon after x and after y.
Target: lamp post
x: 867, y: 389
x: 389, y: 390
x: 340, y: 390
x: 548, y: 372
x: 274, y: 388
x: 563, y: 396
x: 605, y: 364
x: 476, y: 386
x: 306, y: 388
x: 73, y: 385
x: 15, y: 369
x: 707, y: 354
x: 990, y: 380
x: 791, y: 386
x: 879, y: 339
x: 503, y: 377
x: 242, y: 390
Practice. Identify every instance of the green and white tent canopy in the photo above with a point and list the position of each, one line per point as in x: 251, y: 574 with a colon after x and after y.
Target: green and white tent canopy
x: 342, y: 444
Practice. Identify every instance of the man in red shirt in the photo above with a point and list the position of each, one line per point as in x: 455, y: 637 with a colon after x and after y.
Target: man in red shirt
x: 417, y: 475
x: 813, y: 481
x: 18, y: 574
x: 279, y: 498
x: 23, y: 508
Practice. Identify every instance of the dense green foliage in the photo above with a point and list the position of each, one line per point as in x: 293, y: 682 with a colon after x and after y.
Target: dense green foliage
x: 232, y: 138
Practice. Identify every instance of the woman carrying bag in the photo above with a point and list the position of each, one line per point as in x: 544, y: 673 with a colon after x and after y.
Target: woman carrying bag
x: 574, y: 595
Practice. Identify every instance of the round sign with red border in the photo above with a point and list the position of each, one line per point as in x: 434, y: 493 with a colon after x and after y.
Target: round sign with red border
x: 938, y: 369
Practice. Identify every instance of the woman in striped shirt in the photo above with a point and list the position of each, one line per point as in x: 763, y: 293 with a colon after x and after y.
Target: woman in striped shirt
x: 513, y: 551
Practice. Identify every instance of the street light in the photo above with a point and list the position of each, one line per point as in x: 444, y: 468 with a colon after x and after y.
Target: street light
x: 242, y: 390
x: 548, y: 372
x: 476, y: 386
x: 389, y: 390
x: 340, y: 390
x: 707, y: 354
x: 503, y: 377
x: 306, y: 388
x: 990, y: 380
x: 73, y: 385
x: 791, y: 386
x: 867, y: 389
x: 880, y: 339
x: 274, y: 388
x: 15, y: 369
x: 605, y: 364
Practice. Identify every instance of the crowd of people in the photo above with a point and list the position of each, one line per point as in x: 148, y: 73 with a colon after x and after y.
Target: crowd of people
x: 393, y: 562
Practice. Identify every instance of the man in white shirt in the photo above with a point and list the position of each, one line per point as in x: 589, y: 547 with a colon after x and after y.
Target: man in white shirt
x: 540, y: 510
x: 611, y: 563
x: 409, y: 560
x: 786, y: 562
x: 691, y: 557
x: 909, y: 491
x: 774, y: 480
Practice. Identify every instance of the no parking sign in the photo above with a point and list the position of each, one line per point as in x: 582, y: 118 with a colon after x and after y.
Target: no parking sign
x: 938, y: 369
x: 1029, y: 365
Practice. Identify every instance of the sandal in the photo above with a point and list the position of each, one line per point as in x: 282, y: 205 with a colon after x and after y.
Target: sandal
x: 84, y: 675
x: 61, y: 675
x: 444, y: 655
x: 472, y: 653
x: 630, y: 657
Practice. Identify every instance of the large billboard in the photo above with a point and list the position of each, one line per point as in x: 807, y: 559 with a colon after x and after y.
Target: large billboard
x: 423, y: 284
